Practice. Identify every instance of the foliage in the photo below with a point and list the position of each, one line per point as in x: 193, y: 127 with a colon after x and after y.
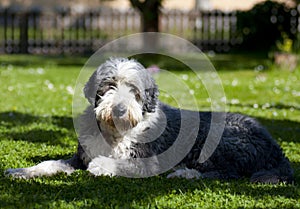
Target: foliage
x: 36, y: 124
x: 266, y: 24
x: 286, y: 45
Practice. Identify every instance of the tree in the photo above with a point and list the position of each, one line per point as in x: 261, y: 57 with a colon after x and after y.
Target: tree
x: 150, y: 10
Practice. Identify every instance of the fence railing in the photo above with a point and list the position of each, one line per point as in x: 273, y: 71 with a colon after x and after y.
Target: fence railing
x: 64, y: 32
x: 209, y: 30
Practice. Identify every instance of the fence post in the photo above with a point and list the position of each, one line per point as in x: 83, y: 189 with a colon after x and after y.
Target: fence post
x: 24, y: 33
x: 5, y: 13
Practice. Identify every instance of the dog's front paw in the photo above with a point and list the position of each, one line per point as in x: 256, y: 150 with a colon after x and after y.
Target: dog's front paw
x: 23, y: 173
x: 185, y: 173
x: 98, y: 170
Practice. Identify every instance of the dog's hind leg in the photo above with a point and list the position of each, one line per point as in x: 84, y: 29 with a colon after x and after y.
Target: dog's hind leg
x: 46, y: 168
x: 282, y: 173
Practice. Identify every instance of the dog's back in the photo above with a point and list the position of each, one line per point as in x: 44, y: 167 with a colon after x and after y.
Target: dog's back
x: 246, y: 149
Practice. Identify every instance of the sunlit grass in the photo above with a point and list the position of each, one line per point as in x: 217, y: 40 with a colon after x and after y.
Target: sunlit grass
x: 36, y: 124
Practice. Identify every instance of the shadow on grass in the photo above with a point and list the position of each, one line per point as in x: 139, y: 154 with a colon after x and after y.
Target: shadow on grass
x: 285, y: 130
x: 241, y: 61
x: 42, y: 60
x: 123, y: 192
x: 19, y: 118
x: 233, y: 61
x: 37, y: 129
x: 238, y: 61
x: 119, y: 191
x: 278, y: 106
x: 39, y: 159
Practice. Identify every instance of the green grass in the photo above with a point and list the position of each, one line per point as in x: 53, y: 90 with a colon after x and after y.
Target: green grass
x: 36, y: 124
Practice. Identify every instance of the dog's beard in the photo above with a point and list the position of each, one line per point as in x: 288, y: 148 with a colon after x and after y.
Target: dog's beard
x: 124, y: 123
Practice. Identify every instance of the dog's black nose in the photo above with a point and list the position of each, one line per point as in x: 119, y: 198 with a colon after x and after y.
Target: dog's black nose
x: 119, y: 110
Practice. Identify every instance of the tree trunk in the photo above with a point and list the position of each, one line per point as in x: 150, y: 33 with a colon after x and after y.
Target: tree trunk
x: 150, y: 21
x: 150, y: 10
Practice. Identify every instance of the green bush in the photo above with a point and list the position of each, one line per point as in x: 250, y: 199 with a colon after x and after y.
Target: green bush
x: 265, y: 25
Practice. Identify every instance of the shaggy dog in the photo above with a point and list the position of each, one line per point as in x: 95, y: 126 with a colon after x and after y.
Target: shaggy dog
x: 126, y: 125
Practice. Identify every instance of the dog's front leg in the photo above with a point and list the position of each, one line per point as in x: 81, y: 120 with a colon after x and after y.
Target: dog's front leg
x: 46, y: 168
x: 131, y: 167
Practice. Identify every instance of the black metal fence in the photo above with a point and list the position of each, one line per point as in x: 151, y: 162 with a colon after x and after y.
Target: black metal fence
x: 60, y: 32
x: 63, y: 32
x: 209, y: 30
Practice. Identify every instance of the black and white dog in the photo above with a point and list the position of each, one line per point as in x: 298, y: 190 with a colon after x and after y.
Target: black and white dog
x: 126, y: 125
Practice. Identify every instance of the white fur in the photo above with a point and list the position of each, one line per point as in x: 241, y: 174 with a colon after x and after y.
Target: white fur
x: 185, y: 173
x: 113, y: 97
x: 46, y: 168
x: 98, y: 166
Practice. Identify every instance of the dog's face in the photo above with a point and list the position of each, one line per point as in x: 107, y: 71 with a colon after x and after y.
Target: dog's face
x: 122, y: 92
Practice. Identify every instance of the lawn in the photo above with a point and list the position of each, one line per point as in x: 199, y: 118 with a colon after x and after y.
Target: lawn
x: 36, y: 124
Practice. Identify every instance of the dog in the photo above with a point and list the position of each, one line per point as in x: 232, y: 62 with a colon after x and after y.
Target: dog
x: 127, y: 131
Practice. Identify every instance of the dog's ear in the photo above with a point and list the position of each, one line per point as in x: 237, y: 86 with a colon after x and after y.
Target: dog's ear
x: 90, y: 88
x: 151, y: 98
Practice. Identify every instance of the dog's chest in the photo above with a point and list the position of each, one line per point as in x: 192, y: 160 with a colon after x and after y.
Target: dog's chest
x: 122, y: 150
x: 120, y: 145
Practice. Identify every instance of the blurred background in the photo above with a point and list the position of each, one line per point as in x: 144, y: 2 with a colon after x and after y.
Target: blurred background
x: 82, y: 27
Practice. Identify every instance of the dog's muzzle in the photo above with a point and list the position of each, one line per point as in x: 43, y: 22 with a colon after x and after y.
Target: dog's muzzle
x: 119, y: 110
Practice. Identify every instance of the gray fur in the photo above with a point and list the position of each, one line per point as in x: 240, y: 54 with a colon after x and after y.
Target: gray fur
x: 246, y: 148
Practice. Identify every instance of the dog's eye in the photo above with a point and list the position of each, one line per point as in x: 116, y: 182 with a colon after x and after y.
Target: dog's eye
x: 100, y: 93
x: 112, y: 86
x: 105, y: 88
x: 108, y: 86
x: 137, y: 96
